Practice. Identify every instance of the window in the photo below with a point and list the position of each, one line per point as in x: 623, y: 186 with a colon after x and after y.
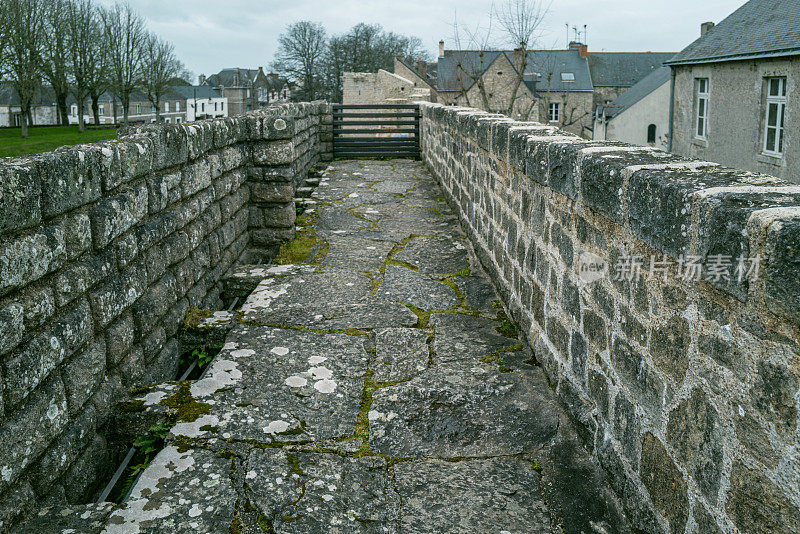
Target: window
x: 167, y: 120
x: 138, y: 109
x: 567, y: 77
x: 177, y: 106
x: 651, y: 133
x: 203, y: 107
x: 166, y: 107
x: 222, y: 106
x: 74, y: 110
x: 152, y: 108
x: 177, y: 120
x: 215, y: 106
x: 701, y: 106
x: 102, y: 109
x: 775, y: 115
x: 553, y: 111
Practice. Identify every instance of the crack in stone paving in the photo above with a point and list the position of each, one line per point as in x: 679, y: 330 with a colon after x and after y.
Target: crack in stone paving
x: 375, y: 390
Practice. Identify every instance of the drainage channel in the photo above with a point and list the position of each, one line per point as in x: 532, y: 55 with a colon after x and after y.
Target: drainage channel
x: 152, y: 444
x: 151, y: 448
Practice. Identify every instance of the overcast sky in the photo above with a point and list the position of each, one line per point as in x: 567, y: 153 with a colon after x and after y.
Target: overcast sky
x: 211, y: 35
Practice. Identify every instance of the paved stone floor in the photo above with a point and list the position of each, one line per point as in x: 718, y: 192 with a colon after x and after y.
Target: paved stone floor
x: 377, y: 387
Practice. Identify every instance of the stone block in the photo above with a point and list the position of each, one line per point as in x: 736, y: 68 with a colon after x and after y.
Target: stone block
x: 30, y: 365
x: 83, y: 373
x: 194, y: 177
x: 274, y: 153
x: 27, y: 258
x: 119, y: 338
x: 627, y: 428
x: 756, y: 504
x: 115, y: 295
x: 12, y: 326
x: 163, y: 190
x: 782, y: 273
x: 271, y: 192
x: 70, y: 178
x: 695, y: 433
x: 278, y: 127
x: 20, y: 195
x: 664, y: 483
x: 669, y: 347
x: 113, y: 216
x: 18, y: 504
x: 72, y: 282
x: 638, y: 377
x: 38, y: 305
x: 774, y: 390
x: 26, y: 435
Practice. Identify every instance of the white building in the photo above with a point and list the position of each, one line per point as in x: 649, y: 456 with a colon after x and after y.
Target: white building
x: 640, y: 115
x: 203, y: 102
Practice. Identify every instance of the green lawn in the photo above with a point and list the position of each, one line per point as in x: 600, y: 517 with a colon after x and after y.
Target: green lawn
x: 47, y: 138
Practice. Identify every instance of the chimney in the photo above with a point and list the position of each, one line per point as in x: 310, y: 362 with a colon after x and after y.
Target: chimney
x: 584, y: 50
x: 704, y: 27
x: 201, y: 79
x: 236, y: 78
x: 574, y: 45
x: 441, y: 48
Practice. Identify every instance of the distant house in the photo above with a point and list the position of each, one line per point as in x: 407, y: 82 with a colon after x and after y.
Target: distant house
x: 203, y: 102
x: 736, y: 89
x: 560, y: 87
x: 43, y: 112
x: 640, y: 115
x: 248, y: 89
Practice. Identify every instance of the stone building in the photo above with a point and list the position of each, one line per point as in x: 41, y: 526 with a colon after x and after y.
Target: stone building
x: 640, y: 115
x: 44, y: 110
x: 561, y: 87
x: 380, y: 87
x: 248, y: 89
x: 735, y: 91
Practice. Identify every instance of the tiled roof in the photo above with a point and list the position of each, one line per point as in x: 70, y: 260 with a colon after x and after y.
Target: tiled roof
x: 624, y: 69
x: 225, y: 77
x: 760, y: 28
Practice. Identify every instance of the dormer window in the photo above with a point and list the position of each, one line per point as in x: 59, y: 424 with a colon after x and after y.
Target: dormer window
x: 567, y: 77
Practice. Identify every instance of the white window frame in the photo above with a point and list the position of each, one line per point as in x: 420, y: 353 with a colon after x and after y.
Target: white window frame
x: 702, y: 99
x: 554, y: 111
x: 101, y: 109
x: 138, y: 109
x: 177, y: 106
x: 166, y: 107
x: 779, y: 101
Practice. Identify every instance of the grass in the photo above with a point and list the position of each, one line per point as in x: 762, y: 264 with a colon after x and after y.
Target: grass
x: 47, y: 138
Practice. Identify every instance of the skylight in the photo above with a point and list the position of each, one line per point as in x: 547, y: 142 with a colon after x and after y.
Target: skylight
x: 567, y: 77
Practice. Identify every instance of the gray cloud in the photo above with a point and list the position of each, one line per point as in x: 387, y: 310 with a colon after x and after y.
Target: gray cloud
x: 211, y: 35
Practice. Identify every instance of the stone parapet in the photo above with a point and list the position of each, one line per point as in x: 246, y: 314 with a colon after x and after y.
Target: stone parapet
x: 103, y: 250
x: 686, y: 388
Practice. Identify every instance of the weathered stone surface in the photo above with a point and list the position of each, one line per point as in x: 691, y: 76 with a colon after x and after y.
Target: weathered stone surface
x: 356, y: 253
x: 180, y: 491
x: 113, y: 216
x: 20, y: 194
x: 491, y: 495
x: 83, y: 518
x: 783, y: 271
x: 318, y: 493
x: 755, y: 504
x: 462, y: 410
x: 669, y: 346
x: 435, y: 255
x: 665, y: 483
x: 27, y: 258
x: 774, y: 393
x: 694, y: 432
x: 463, y: 337
x: 400, y: 354
x: 404, y: 285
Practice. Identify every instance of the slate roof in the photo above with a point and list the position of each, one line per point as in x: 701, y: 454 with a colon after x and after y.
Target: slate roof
x: 9, y: 97
x: 624, y: 69
x: 647, y: 85
x: 225, y: 77
x: 199, y: 91
x: 458, y: 69
x: 760, y: 28
x: 545, y: 62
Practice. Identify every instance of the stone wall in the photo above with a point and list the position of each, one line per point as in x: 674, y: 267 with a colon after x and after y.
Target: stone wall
x: 103, y: 250
x: 685, y: 390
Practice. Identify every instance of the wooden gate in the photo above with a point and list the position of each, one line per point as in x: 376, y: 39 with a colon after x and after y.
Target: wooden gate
x: 376, y: 131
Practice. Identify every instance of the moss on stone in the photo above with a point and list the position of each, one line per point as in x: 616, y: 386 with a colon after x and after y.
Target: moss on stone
x: 507, y: 328
x: 133, y: 406
x: 185, y: 406
x: 195, y: 316
x: 423, y: 317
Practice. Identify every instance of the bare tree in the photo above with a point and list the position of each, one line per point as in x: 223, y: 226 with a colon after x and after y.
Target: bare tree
x: 55, y: 54
x: 159, y: 69
x: 513, y: 22
x: 4, y: 38
x: 125, y: 35
x: 26, y: 35
x: 299, y: 56
x: 81, y: 21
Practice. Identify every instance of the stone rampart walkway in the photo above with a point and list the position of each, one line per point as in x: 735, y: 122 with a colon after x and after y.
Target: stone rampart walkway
x: 375, y: 387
